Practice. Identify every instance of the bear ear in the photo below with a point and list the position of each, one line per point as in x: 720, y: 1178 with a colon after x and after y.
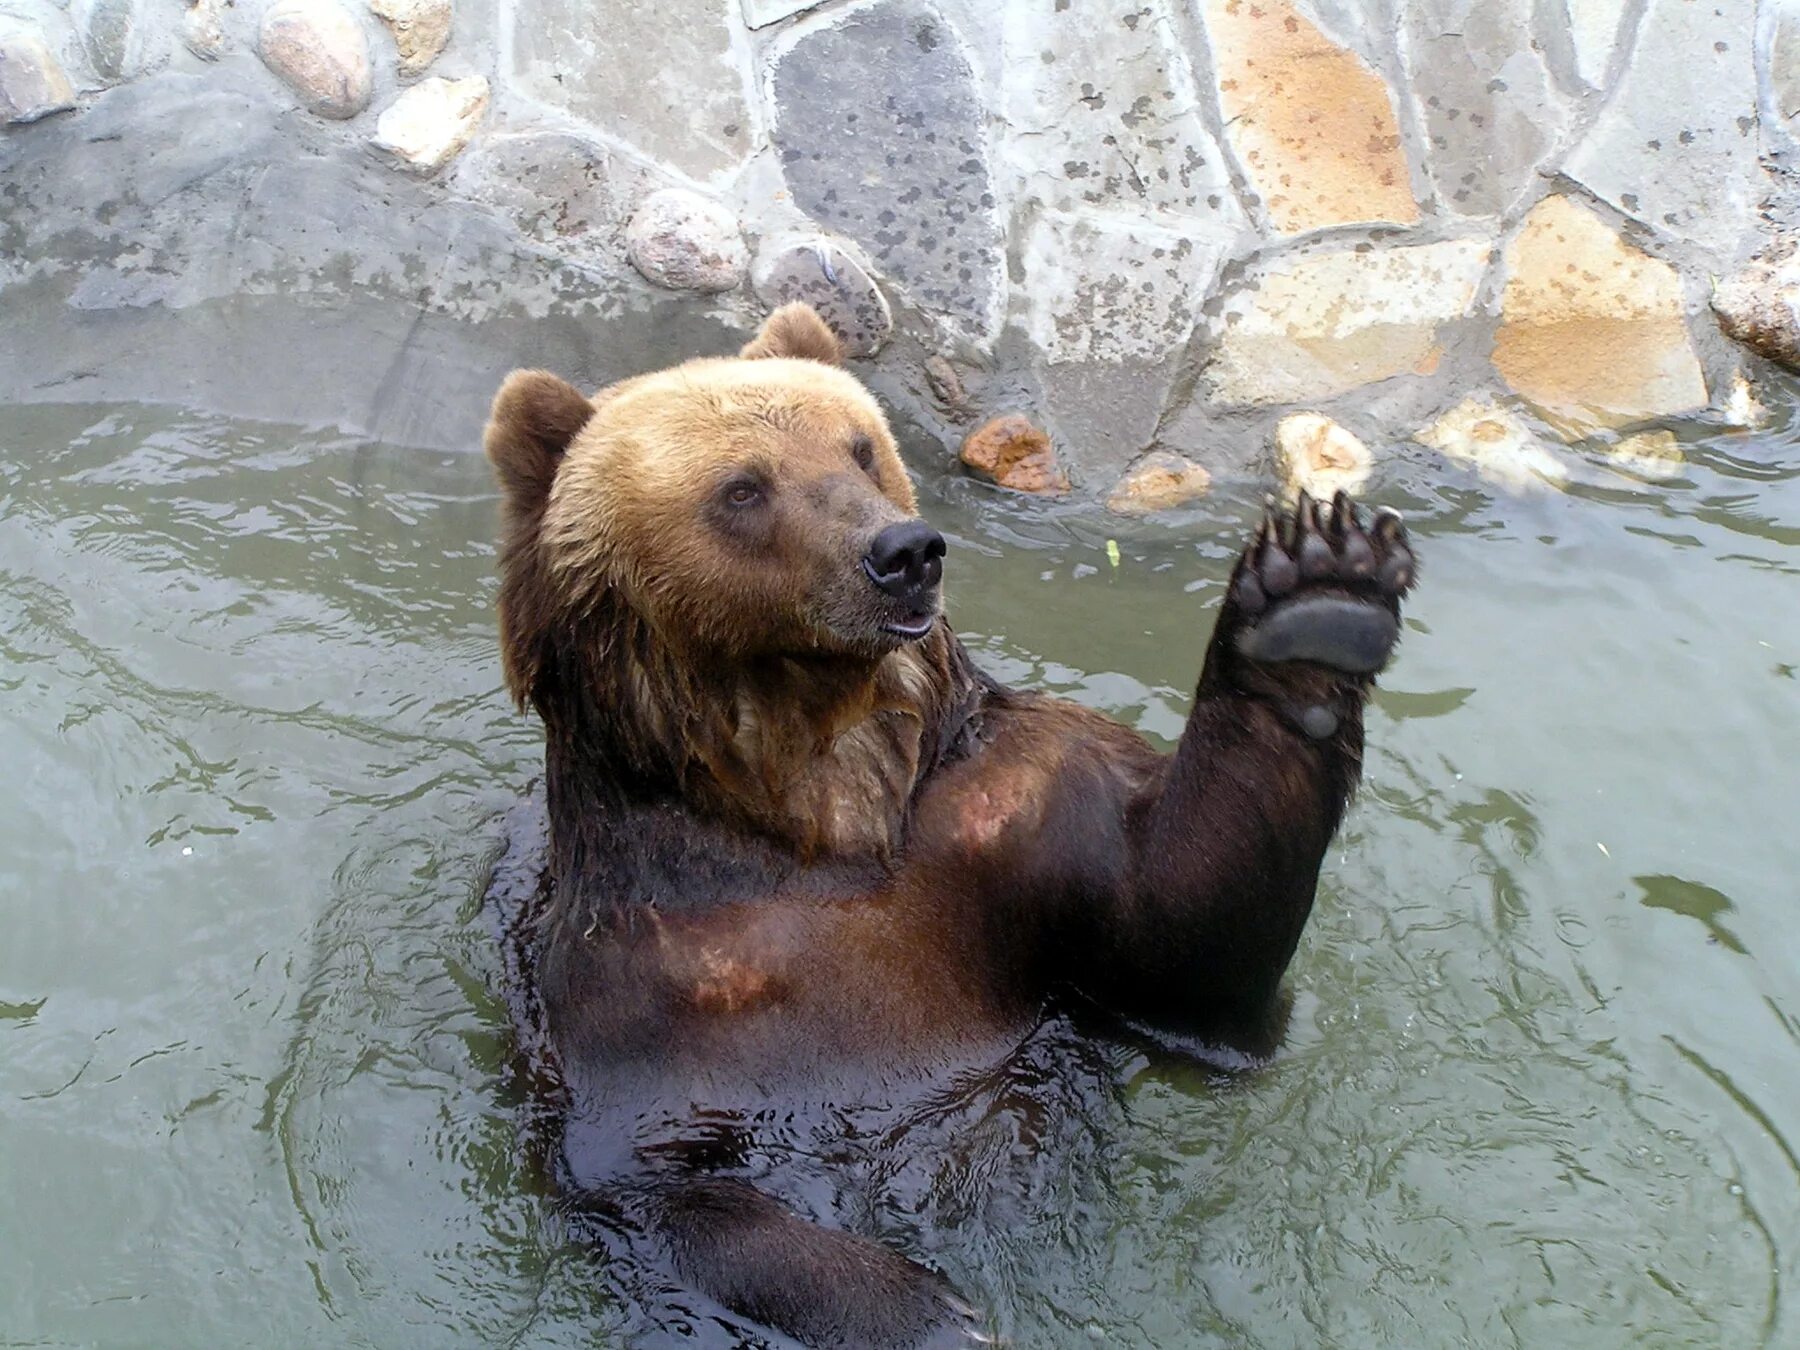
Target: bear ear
x: 796, y: 330
x: 534, y: 417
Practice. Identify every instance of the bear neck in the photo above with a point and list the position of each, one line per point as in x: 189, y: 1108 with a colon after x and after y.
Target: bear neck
x: 818, y: 756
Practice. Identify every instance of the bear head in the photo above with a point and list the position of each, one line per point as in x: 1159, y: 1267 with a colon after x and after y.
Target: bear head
x: 738, y: 509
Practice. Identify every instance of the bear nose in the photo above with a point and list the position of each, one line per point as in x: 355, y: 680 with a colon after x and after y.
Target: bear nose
x: 905, y: 559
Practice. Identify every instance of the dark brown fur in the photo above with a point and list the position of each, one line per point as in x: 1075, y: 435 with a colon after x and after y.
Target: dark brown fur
x: 789, y: 855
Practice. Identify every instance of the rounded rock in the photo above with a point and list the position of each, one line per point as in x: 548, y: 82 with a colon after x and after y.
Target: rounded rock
x: 1316, y: 455
x: 32, y: 82
x: 686, y: 242
x: 1162, y: 481
x: 1015, y: 452
x: 320, y: 52
x: 825, y: 276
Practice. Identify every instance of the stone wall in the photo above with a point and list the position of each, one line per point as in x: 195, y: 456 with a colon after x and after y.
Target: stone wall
x: 1481, y: 229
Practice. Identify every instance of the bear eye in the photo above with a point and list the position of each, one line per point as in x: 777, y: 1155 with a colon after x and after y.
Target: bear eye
x: 862, y: 450
x: 742, y: 492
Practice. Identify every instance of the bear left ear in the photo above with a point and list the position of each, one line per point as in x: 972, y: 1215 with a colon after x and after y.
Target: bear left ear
x: 534, y: 417
x: 795, y: 330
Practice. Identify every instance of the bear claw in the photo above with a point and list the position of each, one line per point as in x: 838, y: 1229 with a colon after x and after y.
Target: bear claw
x: 1317, y: 586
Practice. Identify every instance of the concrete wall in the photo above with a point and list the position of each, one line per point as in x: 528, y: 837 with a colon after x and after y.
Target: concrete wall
x: 1159, y: 227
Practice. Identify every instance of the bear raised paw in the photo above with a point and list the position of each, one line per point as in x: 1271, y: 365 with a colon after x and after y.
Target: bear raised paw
x: 802, y: 860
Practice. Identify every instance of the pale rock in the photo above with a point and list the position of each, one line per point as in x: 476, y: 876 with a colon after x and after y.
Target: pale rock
x: 202, y: 31
x: 32, y: 82
x: 421, y: 28
x: 1314, y: 455
x: 1592, y: 330
x: 1112, y: 288
x: 1313, y: 126
x: 1161, y: 481
x: 1485, y: 99
x: 1649, y: 454
x: 1760, y: 307
x: 822, y: 273
x: 320, y: 51
x: 1675, y: 147
x: 1497, y: 444
x: 1101, y: 109
x: 1315, y: 326
x: 664, y: 76
x: 1742, y: 409
x: 686, y: 242
x: 428, y: 124
x: 1594, y: 32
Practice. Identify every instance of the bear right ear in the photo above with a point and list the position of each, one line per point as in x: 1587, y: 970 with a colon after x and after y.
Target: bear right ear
x: 534, y: 418
x: 795, y: 330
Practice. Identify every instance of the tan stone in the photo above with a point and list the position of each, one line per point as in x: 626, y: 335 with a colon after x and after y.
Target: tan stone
x: 32, y: 82
x: 320, y: 51
x: 1312, y: 327
x: 1496, y: 443
x: 1312, y: 125
x: 428, y: 124
x: 1315, y: 455
x: 1649, y: 454
x: 420, y: 29
x: 1593, y: 331
x: 1015, y: 452
x: 1161, y: 481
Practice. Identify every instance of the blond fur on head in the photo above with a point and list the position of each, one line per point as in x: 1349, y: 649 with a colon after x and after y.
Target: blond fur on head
x: 630, y: 596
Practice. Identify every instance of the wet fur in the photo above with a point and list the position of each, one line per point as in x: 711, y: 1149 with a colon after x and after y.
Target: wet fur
x: 783, y: 860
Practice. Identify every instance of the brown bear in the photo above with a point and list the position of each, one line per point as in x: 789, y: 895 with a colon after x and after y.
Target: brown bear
x: 799, y: 849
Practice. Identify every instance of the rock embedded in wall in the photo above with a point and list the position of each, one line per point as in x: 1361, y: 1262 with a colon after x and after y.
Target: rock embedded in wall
x: 1592, y: 330
x: 1497, y: 444
x: 838, y: 287
x: 1485, y: 100
x: 1312, y: 125
x: 686, y: 242
x: 427, y: 125
x: 562, y: 190
x: 1655, y: 455
x: 762, y: 13
x: 1161, y: 481
x: 1101, y: 110
x: 1315, y: 455
x: 111, y: 35
x: 1311, y: 326
x: 202, y: 31
x: 662, y: 75
x: 32, y: 81
x: 881, y: 136
x: 1675, y: 146
x: 319, y: 51
x: 1760, y: 307
x: 1016, y: 453
x: 420, y: 28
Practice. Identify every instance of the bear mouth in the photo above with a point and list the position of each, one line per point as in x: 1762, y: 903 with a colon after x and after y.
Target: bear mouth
x: 912, y: 628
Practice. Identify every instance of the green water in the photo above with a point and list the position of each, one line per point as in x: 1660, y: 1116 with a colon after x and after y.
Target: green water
x: 1542, y: 1085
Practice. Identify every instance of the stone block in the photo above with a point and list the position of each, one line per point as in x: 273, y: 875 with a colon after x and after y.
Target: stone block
x: 1485, y: 100
x: 664, y: 75
x: 1312, y: 125
x: 1675, y: 146
x: 1593, y: 331
x: 1313, y: 326
x: 881, y: 136
x: 1102, y: 110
